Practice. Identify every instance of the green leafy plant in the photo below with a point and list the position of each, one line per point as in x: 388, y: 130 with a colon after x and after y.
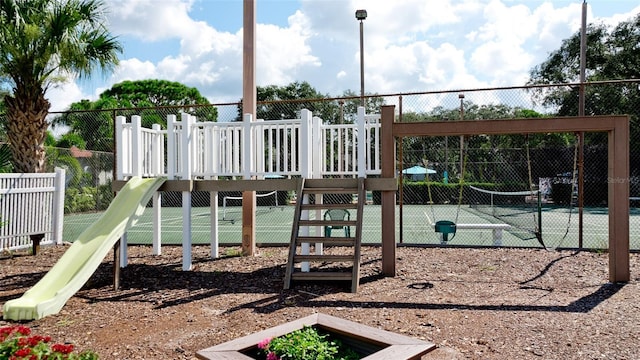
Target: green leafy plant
x: 17, y: 343
x: 80, y: 200
x: 5, y: 159
x: 306, y: 344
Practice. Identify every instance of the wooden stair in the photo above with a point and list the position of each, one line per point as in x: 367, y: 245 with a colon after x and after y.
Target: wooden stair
x: 346, y: 267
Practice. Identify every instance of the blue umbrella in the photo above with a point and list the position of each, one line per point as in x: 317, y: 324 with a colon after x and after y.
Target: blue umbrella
x: 418, y: 170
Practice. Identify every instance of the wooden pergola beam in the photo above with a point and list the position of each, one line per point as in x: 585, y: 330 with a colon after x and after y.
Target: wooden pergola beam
x: 617, y: 128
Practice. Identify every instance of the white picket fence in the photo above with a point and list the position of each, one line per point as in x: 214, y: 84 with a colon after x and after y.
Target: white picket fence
x: 31, y: 204
x: 306, y: 147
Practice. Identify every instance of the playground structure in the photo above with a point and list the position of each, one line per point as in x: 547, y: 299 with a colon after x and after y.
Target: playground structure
x: 244, y: 156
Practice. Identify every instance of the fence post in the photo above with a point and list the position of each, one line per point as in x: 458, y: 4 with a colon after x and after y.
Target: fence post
x: 171, y: 147
x: 157, y: 153
x: 362, y: 143
x: 156, y: 150
x: 58, y: 205
x: 120, y: 121
x: 136, y: 148
x: 247, y: 147
x: 186, y: 156
x: 318, y: 160
x: 306, y: 142
x: 258, y: 151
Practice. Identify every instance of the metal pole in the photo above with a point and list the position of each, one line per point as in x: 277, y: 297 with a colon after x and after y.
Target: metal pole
x: 581, y: 112
x: 361, y: 63
x: 360, y: 16
x: 461, y: 97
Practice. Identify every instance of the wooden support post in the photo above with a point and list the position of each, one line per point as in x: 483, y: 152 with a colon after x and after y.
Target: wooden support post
x: 388, y: 198
x: 249, y: 99
x: 116, y: 266
x: 248, y: 223
x: 619, y: 201
x: 35, y: 243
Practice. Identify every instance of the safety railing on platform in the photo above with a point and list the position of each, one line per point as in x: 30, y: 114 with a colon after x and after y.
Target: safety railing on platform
x: 208, y: 150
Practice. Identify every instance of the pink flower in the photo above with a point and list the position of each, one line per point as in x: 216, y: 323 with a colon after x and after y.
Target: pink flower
x: 272, y: 356
x: 264, y: 344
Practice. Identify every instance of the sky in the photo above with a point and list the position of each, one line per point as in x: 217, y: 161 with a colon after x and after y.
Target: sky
x: 409, y: 45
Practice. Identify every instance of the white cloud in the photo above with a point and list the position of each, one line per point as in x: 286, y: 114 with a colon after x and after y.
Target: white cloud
x: 151, y: 20
x: 134, y: 69
x: 63, y: 95
x: 410, y: 45
x: 282, y: 53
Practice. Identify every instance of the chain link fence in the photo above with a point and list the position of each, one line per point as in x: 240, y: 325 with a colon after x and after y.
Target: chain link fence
x: 527, y: 182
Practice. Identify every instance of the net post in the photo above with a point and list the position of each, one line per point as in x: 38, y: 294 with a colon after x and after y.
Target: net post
x: 540, y: 213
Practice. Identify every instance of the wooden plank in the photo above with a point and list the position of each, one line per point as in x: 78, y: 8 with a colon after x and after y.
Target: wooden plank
x: 404, y: 351
x: 247, y: 185
x: 328, y: 222
x: 324, y: 258
x: 322, y: 276
x: 507, y: 126
x: 295, y: 228
x: 362, y: 195
x: 329, y: 241
x: 377, y: 184
x: 330, y: 190
x: 329, y: 206
x: 381, y: 184
x: 331, y: 183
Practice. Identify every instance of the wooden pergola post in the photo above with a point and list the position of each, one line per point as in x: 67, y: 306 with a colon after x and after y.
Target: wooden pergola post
x: 388, y: 198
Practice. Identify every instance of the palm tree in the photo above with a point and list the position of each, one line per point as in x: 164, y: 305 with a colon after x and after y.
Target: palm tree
x: 44, y: 42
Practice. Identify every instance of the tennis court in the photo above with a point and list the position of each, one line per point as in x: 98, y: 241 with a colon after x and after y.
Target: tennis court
x: 273, y: 226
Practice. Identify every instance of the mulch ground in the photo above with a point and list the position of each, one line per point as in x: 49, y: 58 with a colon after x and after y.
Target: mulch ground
x: 471, y: 303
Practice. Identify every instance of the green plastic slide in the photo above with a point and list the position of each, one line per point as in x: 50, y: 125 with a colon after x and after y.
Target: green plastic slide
x: 80, y: 261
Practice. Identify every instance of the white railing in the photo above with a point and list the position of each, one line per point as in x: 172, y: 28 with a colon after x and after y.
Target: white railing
x: 31, y: 204
x: 294, y: 147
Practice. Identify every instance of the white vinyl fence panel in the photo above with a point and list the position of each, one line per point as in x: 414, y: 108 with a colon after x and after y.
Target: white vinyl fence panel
x: 31, y: 204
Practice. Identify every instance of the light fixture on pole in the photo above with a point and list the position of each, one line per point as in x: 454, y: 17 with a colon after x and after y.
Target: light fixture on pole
x: 361, y: 15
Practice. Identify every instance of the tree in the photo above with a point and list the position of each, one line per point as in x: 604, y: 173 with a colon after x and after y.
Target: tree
x: 43, y: 42
x: 495, y: 158
x: 612, y: 54
x: 3, y: 118
x: 372, y: 105
x: 153, y: 93
x: 285, y: 102
x: 147, y: 98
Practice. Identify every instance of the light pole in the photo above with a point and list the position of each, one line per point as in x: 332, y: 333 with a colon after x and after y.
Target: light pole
x: 361, y: 15
x: 461, y: 97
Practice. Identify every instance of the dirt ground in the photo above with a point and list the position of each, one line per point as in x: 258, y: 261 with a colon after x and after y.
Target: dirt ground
x: 471, y: 303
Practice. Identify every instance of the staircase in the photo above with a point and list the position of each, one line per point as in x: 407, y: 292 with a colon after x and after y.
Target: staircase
x: 326, y: 267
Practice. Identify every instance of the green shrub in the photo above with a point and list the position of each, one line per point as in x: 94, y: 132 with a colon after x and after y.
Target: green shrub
x: 80, y: 200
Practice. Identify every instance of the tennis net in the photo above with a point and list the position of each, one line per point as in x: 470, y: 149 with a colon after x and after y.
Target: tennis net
x: 520, y: 209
